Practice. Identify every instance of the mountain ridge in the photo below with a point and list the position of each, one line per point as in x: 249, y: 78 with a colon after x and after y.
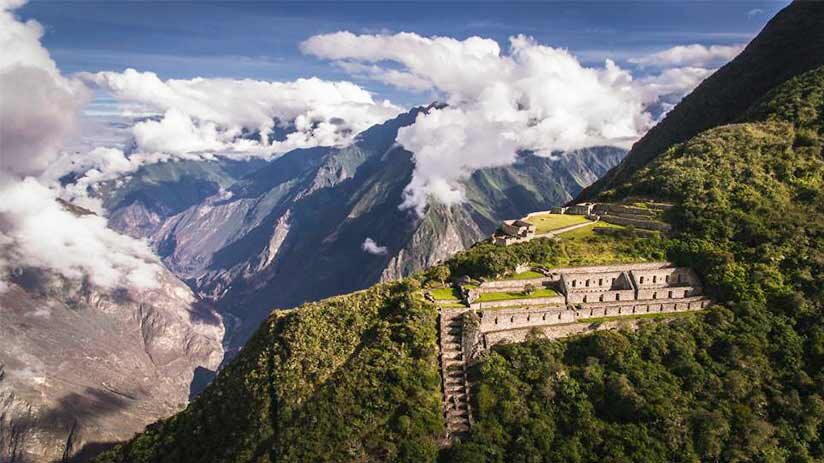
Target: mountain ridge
x: 727, y: 93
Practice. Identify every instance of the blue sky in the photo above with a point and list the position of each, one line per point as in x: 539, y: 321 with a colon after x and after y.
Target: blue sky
x: 260, y: 40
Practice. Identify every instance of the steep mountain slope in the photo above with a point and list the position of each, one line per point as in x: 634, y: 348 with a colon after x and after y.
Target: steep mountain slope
x: 142, y: 201
x: 294, y: 230
x: 349, y: 378
x: 82, y: 367
x: 790, y: 44
x: 741, y: 382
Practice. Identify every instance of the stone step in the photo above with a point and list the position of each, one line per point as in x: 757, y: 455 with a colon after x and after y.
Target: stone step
x: 459, y: 406
x: 459, y: 428
x: 457, y: 417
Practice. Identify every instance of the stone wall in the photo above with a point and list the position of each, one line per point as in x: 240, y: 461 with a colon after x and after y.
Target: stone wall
x: 632, y: 222
x: 595, y: 281
x: 668, y: 292
x: 642, y: 307
x: 554, y: 331
x: 557, y: 300
x: 667, y: 276
x: 500, y: 325
x: 513, y: 285
x: 579, y: 297
x: 611, y: 268
x: 507, y: 319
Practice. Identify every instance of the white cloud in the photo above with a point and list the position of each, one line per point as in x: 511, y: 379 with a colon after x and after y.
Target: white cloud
x: 37, y: 105
x: 694, y: 55
x: 671, y: 82
x: 370, y: 246
x: 209, y: 115
x: 45, y: 235
x: 37, y: 110
x: 533, y: 97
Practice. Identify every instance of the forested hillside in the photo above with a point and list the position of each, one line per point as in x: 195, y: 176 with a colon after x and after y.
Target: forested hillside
x: 742, y: 382
x: 789, y: 45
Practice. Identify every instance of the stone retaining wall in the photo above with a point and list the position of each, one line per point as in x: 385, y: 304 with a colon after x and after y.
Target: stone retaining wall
x: 642, y: 307
x: 596, y: 295
x: 667, y: 292
x: 510, y: 285
x: 555, y: 331
x: 648, y: 224
x: 558, y: 300
x: 508, y: 319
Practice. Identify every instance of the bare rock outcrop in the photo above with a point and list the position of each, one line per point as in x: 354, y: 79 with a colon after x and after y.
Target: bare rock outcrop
x: 83, y: 367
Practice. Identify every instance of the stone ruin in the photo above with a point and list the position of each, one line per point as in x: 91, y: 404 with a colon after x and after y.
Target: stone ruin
x: 590, y: 298
x: 514, y: 231
x: 645, y: 218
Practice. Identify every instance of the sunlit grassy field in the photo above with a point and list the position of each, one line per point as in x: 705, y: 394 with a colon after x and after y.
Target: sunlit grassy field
x: 508, y: 295
x: 584, y: 246
x: 548, y: 222
x: 528, y: 275
x: 445, y: 294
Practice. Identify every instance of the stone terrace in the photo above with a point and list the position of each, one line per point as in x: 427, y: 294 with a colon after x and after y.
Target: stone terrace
x: 585, y: 295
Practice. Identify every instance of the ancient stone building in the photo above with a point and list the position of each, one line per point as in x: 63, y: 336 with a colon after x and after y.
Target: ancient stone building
x: 514, y: 231
x: 590, y: 298
x: 580, y: 209
x: 597, y: 286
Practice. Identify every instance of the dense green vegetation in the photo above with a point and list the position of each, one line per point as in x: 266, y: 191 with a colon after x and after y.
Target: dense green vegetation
x: 352, y: 378
x: 743, y: 382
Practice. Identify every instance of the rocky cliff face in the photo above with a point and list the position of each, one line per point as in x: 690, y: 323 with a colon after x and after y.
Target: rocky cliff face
x: 294, y: 229
x: 81, y: 367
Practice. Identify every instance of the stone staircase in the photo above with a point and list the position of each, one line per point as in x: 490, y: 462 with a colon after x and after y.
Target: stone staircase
x: 456, y: 406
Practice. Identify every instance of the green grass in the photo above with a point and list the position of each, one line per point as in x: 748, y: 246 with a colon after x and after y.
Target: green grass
x: 583, y: 246
x: 509, y: 295
x: 446, y: 294
x: 528, y: 275
x: 587, y: 231
x: 452, y: 305
x: 547, y: 222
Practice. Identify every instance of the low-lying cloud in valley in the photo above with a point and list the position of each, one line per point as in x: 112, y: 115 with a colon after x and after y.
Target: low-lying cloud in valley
x: 38, y: 107
x: 531, y: 97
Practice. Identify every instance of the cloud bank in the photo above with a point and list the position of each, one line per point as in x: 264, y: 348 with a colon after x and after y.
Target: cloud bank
x: 530, y: 97
x: 38, y: 107
x: 200, y: 119
x: 690, y: 55
x: 241, y: 117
